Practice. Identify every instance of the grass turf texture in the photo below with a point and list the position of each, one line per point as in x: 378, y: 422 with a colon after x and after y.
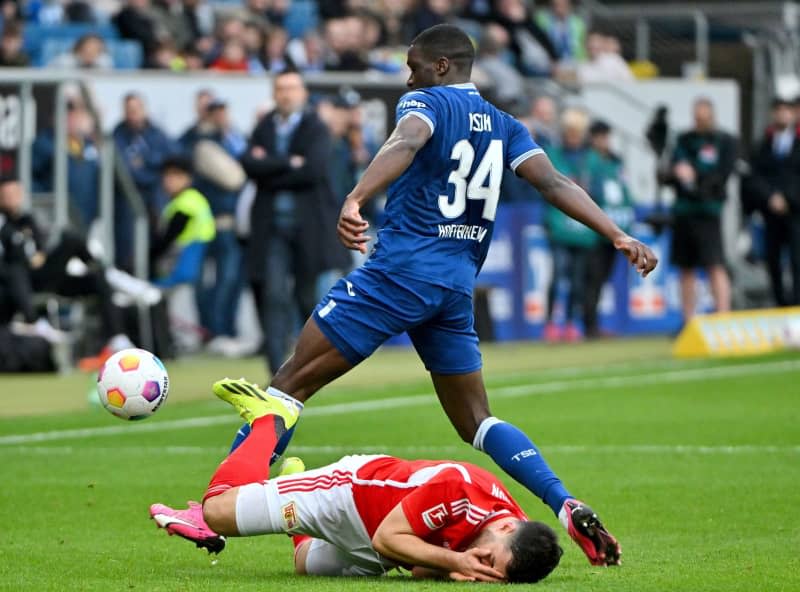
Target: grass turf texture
x: 693, y: 465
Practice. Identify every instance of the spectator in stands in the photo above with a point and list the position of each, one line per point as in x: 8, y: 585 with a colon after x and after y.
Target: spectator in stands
x: 268, y: 12
x: 343, y: 47
x: 566, y: 30
x: 607, y: 186
x: 202, y: 124
x: 507, y: 82
x: 534, y: 52
x: 218, y: 302
x: 185, y: 230
x: 428, y: 14
x: 543, y: 121
x: 143, y: 147
x: 232, y: 58
x: 774, y: 190
x: 178, y: 20
x: 605, y: 63
x: 293, y: 216
x: 46, y: 269
x: 89, y: 52
x: 274, y: 54
x: 10, y: 10
x: 83, y: 163
x: 11, y: 53
x: 702, y: 161
x: 138, y: 22
x: 570, y: 240
x: 308, y: 53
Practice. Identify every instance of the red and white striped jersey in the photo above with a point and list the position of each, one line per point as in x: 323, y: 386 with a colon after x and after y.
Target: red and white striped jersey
x: 446, y: 503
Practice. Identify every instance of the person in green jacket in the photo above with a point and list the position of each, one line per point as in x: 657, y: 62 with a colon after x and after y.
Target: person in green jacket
x: 187, y: 227
x: 570, y: 241
x: 606, y: 184
x: 566, y: 30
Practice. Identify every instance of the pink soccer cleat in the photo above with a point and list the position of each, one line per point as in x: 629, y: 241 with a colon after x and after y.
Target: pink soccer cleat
x: 188, y: 524
x: 585, y: 528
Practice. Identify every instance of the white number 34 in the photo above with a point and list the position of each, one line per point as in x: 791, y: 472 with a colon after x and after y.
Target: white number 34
x: 490, y: 166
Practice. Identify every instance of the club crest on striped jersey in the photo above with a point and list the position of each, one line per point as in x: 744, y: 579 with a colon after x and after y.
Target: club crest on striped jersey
x: 289, y: 514
x: 434, y: 517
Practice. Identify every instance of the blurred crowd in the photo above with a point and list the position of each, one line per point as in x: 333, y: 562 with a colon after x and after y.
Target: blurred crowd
x: 234, y: 211
x: 515, y: 38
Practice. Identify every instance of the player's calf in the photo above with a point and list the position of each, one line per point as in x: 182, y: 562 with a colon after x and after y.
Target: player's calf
x: 219, y: 512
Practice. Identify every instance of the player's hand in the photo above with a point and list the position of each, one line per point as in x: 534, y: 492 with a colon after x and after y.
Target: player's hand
x: 640, y: 255
x: 472, y: 565
x: 352, y: 226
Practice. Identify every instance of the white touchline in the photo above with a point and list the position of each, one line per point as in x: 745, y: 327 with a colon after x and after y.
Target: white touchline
x: 463, y: 450
x: 507, y: 392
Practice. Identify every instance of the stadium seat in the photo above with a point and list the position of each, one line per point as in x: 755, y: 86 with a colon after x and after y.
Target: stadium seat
x: 303, y: 16
x: 35, y: 36
x: 127, y: 55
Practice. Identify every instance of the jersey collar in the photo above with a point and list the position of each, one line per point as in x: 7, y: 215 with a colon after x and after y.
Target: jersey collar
x: 463, y: 85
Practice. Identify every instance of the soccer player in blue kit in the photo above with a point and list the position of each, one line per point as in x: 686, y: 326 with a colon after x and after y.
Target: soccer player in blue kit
x: 442, y: 167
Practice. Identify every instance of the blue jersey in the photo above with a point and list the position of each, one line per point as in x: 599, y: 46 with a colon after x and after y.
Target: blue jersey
x: 440, y: 212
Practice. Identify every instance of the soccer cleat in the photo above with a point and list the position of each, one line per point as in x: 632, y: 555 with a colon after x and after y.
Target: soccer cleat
x: 291, y: 466
x: 188, y: 524
x: 251, y: 402
x: 585, y: 528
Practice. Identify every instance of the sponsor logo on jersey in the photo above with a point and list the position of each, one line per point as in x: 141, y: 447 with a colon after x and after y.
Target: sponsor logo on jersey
x: 474, y: 232
x: 412, y: 104
x: 289, y: 514
x: 434, y: 517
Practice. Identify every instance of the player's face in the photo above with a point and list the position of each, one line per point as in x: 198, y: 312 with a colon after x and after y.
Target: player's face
x: 496, y: 538
x: 423, y: 72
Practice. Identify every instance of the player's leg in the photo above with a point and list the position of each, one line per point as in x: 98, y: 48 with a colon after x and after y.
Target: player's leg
x: 316, y: 557
x: 463, y: 397
x: 688, y: 293
x: 449, y: 347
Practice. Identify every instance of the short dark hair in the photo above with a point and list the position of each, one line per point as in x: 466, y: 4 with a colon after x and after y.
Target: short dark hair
x: 177, y: 162
x: 599, y: 128
x: 535, y: 552
x: 446, y: 41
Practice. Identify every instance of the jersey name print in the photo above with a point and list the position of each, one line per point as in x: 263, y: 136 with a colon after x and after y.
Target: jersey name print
x: 440, y: 212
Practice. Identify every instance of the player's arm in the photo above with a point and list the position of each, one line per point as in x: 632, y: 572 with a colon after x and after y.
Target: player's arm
x: 394, y: 157
x: 396, y: 540
x: 568, y: 197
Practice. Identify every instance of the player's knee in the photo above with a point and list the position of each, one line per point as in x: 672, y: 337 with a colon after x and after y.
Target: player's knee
x: 219, y: 512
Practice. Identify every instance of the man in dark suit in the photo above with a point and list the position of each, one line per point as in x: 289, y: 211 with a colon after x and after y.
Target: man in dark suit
x: 294, y: 214
x: 774, y: 190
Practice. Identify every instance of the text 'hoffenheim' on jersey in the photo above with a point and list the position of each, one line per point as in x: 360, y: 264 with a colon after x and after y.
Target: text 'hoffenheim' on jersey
x: 440, y: 212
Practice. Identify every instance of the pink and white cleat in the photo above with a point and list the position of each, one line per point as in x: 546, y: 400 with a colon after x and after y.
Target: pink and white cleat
x: 188, y: 524
x: 585, y: 528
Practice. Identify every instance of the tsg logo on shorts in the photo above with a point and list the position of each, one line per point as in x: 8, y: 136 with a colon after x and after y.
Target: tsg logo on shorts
x: 434, y: 517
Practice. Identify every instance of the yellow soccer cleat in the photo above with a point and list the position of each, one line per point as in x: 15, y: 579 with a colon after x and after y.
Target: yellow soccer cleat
x: 251, y: 402
x: 291, y: 466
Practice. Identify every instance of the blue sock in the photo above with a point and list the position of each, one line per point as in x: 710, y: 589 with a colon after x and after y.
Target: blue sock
x: 280, y: 447
x: 514, y: 452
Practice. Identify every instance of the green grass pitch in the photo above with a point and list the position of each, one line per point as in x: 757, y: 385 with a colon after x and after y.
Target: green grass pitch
x: 694, y: 466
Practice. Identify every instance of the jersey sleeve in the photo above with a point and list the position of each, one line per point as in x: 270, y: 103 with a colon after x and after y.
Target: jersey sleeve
x: 430, y: 507
x: 417, y: 104
x: 520, y: 146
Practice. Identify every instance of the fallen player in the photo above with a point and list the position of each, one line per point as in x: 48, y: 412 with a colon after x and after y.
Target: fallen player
x: 364, y: 515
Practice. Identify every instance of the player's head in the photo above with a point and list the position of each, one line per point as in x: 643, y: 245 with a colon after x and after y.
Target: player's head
x: 440, y: 55
x: 525, y: 552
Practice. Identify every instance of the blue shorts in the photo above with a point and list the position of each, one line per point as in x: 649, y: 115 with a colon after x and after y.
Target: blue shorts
x: 367, y: 307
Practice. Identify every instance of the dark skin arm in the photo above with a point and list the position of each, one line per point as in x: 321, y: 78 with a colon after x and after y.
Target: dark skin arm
x: 568, y: 197
x: 411, y: 134
x: 394, y: 157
